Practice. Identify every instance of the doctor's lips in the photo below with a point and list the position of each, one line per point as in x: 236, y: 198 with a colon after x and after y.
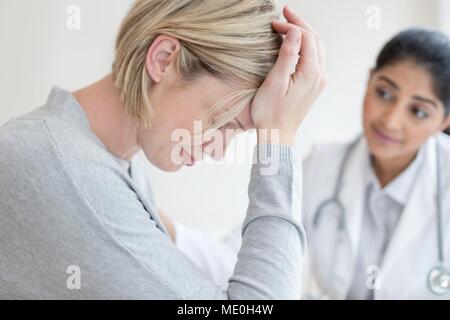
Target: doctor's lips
x: 385, y: 138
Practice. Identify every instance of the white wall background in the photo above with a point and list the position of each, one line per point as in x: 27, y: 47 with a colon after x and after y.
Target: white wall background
x: 37, y: 50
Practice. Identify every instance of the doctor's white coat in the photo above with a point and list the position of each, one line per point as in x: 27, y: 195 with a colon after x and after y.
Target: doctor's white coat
x: 413, y: 249
x: 329, y: 266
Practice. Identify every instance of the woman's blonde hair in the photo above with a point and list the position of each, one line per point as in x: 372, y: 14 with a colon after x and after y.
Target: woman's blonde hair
x: 232, y: 40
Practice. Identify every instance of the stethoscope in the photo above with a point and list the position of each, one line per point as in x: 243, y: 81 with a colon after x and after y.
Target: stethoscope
x: 438, y: 278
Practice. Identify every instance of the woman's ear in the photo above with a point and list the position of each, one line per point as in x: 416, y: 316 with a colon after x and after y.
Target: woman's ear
x: 163, y: 52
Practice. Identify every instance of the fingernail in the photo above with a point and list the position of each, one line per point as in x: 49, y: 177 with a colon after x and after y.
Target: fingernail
x: 294, y: 36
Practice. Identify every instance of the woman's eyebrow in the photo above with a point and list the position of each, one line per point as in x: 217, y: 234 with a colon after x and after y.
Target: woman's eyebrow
x: 391, y: 82
x: 422, y: 99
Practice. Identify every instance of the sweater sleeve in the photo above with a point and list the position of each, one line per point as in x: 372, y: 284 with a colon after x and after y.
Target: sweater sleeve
x: 273, y: 240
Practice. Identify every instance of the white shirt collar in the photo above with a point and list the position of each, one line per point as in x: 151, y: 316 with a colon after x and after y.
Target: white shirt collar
x: 400, y: 188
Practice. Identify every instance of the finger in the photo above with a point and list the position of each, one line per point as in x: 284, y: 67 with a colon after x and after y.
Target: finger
x: 287, y: 59
x: 321, y: 51
x: 293, y: 18
x: 309, y: 45
x: 309, y: 57
x: 308, y: 50
x: 296, y: 19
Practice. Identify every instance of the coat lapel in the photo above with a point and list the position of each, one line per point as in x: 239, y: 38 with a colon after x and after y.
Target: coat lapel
x: 352, y: 196
x: 418, y: 215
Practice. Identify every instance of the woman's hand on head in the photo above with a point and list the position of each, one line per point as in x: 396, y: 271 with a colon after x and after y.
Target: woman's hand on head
x: 284, y: 98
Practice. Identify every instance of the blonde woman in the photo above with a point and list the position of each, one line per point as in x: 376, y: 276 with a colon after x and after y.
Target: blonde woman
x: 74, y: 224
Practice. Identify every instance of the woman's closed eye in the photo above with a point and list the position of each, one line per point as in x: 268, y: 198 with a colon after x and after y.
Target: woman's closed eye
x: 232, y: 125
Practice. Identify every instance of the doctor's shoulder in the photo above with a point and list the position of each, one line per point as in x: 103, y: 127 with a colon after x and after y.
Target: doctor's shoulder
x: 323, y: 158
x: 444, y: 141
x: 444, y: 145
x: 320, y: 172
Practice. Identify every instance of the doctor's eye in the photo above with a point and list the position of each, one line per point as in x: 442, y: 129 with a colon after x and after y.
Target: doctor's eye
x: 420, y: 113
x: 385, y: 94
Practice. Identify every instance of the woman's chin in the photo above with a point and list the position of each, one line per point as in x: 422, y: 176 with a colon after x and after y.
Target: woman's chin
x: 381, y: 149
x: 166, y: 166
x: 170, y: 167
x: 383, y: 152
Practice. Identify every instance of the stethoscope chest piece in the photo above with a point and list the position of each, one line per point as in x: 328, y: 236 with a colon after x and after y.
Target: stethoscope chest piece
x: 439, y: 280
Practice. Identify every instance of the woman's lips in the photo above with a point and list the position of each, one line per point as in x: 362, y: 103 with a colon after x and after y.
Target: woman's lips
x: 383, y: 137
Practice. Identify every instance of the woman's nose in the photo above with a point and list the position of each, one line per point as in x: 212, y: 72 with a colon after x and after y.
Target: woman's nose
x: 393, y: 118
x: 216, y: 148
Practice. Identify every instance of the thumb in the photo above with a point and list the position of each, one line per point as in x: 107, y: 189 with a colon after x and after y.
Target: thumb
x: 288, y: 57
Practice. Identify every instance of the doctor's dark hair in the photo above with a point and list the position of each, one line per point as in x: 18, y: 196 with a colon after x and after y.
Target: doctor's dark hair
x: 428, y: 49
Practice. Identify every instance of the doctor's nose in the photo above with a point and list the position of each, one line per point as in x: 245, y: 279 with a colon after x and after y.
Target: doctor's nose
x: 392, y: 119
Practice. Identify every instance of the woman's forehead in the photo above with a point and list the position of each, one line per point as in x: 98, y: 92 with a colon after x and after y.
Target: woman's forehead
x: 408, y: 77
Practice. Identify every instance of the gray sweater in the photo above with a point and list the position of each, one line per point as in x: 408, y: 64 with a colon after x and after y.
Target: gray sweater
x: 73, y: 224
